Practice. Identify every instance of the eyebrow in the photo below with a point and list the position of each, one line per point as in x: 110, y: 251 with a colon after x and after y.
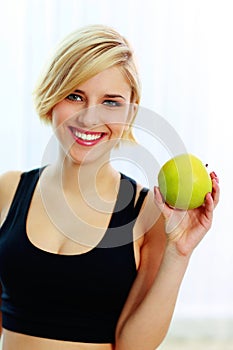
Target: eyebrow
x: 106, y: 95
x: 114, y: 96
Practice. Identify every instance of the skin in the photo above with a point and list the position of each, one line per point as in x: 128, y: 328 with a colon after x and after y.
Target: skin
x: 161, y: 259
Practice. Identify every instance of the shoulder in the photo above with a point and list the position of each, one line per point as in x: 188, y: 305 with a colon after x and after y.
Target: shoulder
x: 150, y: 216
x: 154, y: 241
x: 8, y: 185
x: 138, y: 188
x: 9, y: 181
x: 151, y: 226
x: 150, y: 223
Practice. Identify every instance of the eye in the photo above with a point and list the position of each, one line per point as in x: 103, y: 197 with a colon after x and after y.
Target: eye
x: 112, y: 103
x: 74, y: 97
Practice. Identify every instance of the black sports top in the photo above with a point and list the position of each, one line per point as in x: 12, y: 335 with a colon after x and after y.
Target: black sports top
x: 67, y: 297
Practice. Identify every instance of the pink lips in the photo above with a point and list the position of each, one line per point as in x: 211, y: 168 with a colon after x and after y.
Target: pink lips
x: 86, y: 138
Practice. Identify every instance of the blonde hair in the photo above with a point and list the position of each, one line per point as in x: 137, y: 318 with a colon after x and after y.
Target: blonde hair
x: 80, y: 56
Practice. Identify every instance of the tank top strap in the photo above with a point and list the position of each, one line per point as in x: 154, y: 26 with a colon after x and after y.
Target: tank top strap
x: 124, y: 207
x: 120, y: 229
x: 140, y: 200
x: 23, y: 195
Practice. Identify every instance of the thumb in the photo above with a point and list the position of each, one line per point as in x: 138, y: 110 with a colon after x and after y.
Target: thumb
x: 159, y: 200
x: 172, y: 216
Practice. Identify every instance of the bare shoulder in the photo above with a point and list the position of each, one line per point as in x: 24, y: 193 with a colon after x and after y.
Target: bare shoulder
x: 151, y: 226
x: 150, y: 217
x: 155, y: 237
x: 8, y: 184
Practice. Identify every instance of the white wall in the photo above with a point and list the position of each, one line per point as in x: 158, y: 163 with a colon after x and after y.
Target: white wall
x: 185, y: 55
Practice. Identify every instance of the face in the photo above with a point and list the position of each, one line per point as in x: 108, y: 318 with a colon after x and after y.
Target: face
x: 91, y: 120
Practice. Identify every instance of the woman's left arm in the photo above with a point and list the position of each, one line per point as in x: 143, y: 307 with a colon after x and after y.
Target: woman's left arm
x: 147, y: 314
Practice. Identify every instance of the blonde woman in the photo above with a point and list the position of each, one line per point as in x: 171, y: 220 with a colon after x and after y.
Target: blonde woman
x: 85, y: 259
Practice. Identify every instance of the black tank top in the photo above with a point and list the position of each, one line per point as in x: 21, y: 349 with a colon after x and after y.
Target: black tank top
x: 67, y: 297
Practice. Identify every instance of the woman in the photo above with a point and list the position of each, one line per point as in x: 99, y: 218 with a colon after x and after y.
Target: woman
x: 85, y: 259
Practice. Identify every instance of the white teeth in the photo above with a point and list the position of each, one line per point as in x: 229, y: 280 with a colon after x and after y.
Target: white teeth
x: 86, y: 137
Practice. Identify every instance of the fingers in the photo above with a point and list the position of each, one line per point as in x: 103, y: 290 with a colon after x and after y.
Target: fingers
x: 214, y: 176
x: 209, y: 206
x: 215, y: 188
x: 159, y: 201
x: 212, y: 199
x: 164, y: 208
x: 158, y: 196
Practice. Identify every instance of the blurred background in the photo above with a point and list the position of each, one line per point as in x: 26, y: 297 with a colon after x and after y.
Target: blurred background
x: 184, y: 52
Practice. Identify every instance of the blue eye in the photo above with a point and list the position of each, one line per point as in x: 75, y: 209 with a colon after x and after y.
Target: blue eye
x: 74, y: 97
x: 112, y: 103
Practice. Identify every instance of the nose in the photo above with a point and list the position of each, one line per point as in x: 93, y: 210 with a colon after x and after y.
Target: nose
x: 89, y: 117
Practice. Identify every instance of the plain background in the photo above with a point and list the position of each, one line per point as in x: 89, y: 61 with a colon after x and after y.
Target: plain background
x: 184, y: 52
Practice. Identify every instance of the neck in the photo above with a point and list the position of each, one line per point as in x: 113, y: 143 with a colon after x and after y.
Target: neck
x: 86, y: 178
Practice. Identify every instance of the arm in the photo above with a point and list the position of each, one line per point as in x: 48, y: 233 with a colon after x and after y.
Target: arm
x: 8, y: 185
x: 0, y: 310
x: 148, y: 311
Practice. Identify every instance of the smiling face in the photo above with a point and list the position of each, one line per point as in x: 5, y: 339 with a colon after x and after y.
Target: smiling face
x: 90, y: 121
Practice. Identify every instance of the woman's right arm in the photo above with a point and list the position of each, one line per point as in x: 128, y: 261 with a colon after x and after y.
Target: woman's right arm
x: 8, y: 184
x: 0, y: 310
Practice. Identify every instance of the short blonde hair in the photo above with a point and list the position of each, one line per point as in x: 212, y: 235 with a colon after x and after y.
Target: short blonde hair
x: 80, y: 56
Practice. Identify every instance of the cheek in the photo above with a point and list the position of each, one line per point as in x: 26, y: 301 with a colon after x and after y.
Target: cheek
x: 54, y: 118
x: 59, y: 115
x: 118, y: 128
x: 118, y: 118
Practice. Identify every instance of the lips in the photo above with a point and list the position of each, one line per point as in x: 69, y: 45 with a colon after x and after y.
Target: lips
x: 86, y: 138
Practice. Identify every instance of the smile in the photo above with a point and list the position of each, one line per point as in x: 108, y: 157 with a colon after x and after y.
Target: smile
x: 86, y: 138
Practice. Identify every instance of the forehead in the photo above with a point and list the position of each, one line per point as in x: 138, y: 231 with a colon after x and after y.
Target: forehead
x: 109, y: 80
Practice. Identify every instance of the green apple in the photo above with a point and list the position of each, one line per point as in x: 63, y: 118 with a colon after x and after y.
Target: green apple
x: 184, y: 182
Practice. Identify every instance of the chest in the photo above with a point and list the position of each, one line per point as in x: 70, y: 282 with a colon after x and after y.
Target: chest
x: 71, y: 262
x: 76, y: 227
x: 65, y: 227
x: 66, y: 249
x: 87, y: 281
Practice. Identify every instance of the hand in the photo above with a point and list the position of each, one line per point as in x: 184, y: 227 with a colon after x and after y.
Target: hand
x: 185, y: 229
